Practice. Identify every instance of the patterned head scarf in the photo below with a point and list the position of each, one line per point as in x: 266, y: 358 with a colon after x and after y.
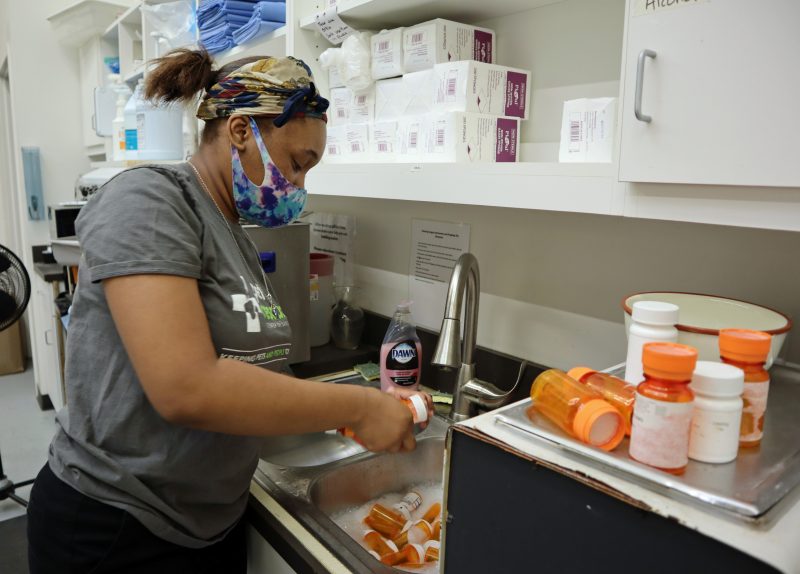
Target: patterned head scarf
x: 283, y: 87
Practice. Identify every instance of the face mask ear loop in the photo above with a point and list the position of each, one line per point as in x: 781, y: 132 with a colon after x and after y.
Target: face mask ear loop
x: 262, y: 148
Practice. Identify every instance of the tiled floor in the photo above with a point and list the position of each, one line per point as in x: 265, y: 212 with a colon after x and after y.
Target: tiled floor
x: 25, y: 433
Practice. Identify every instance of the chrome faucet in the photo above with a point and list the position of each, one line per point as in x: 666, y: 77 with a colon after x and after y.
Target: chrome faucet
x: 470, y: 392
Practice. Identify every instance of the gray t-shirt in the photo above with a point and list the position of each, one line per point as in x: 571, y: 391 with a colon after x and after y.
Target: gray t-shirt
x: 186, y: 486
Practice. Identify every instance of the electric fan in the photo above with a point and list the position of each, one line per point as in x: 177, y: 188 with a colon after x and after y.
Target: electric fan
x: 15, y: 291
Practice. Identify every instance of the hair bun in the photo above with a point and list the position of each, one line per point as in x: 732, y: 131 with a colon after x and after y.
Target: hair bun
x: 180, y: 76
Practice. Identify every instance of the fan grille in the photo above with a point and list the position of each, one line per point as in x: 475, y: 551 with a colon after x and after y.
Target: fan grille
x: 15, y: 288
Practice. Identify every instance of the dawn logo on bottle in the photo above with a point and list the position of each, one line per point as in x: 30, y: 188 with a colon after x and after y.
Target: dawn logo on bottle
x: 403, y: 353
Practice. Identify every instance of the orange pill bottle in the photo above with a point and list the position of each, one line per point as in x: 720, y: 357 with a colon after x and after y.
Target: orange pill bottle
x: 619, y: 393
x: 748, y: 350
x: 577, y: 409
x: 662, y: 415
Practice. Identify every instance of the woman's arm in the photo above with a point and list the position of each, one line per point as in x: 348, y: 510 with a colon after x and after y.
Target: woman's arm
x: 164, y: 329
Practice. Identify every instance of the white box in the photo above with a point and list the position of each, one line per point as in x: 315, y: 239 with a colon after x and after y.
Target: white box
x: 390, y: 99
x: 411, y: 95
x: 362, y: 107
x: 587, y: 130
x: 335, y: 144
x: 387, y: 54
x: 339, y: 110
x: 383, y: 142
x: 411, y: 134
x: 441, y: 40
x: 465, y: 138
x: 357, y: 143
x: 419, y: 91
x: 334, y: 79
x: 481, y: 88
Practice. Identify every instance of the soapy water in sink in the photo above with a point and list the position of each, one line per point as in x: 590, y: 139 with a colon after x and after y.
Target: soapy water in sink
x: 351, y: 519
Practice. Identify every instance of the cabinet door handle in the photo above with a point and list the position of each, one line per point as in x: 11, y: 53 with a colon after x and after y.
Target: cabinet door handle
x: 637, y: 103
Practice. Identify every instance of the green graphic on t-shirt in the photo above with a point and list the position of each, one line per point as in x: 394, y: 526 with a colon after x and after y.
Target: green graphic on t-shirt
x: 272, y: 312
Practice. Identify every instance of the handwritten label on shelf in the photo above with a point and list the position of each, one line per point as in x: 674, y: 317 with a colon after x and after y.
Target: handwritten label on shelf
x: 332, y: 27
x: 647, y: 7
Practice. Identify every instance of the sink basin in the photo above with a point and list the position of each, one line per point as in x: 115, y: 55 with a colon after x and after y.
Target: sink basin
x: 308, y: 450
x: 361, y: 481
x: 320, y: 478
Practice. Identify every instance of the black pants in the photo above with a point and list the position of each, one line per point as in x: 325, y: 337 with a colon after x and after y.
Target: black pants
x: 70, y: 533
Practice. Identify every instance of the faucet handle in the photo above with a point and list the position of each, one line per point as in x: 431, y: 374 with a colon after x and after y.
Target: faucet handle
x: 488, y: 395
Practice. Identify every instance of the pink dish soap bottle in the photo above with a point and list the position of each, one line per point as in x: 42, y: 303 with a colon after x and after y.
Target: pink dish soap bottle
x: 401, y: 352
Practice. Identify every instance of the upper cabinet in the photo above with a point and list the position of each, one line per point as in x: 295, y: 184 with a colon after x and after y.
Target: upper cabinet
x: 710, y: 93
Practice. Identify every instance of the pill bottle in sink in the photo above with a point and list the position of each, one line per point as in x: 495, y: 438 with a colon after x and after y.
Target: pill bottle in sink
x: 401, y: 352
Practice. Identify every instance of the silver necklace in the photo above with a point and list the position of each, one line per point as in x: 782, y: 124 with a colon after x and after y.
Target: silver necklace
x: 267, y: 293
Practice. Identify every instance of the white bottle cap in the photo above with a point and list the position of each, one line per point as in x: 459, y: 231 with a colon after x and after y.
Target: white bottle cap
x: 419, y: 410
x: 717, y: 379
x: 655, y: 313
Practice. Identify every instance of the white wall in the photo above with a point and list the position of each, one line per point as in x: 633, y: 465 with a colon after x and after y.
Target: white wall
x: 45, y: 90
x: 552, y: 282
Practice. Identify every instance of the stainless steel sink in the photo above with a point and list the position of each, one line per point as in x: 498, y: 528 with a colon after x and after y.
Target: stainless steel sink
x: 308, y: 450
x: 316, y: 476
x: 366, y: 479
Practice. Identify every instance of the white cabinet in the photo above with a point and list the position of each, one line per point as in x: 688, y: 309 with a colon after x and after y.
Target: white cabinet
x: 722, y: 90
x: 44, y: 336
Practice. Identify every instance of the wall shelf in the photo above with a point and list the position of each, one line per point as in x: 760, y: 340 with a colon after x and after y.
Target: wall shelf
x: 581, y: 188
x: 377, y: 14
x: 79, y: 22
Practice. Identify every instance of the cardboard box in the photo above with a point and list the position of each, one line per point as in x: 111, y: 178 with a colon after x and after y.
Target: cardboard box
x: 387, y: 54
x: 470, y: 138
x: 11, y: 357
x: 436, y: 41
x: 587, y: 130
x: 383, y: 142
x: 481, y: 88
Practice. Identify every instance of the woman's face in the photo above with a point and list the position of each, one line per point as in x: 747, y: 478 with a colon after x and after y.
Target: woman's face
x: 294, y: 148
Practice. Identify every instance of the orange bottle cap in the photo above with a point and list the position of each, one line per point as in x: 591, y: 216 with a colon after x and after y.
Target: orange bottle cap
x: 744, y: 345
x: 578, y: 373
x: 599, y: 424
x: 669, y: 361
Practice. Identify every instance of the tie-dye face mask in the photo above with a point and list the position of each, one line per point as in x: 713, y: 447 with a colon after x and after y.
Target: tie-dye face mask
x: 274, y: 203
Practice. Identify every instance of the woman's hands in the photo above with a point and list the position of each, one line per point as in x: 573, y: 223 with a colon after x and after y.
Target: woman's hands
x: 405, y: 393
x: 386, y: 423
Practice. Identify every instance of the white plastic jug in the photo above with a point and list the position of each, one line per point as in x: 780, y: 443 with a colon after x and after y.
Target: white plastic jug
x: 159, y: 130
x: 131, y: 135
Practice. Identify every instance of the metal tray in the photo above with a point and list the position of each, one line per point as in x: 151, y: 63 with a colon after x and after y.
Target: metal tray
x: 747, y: 488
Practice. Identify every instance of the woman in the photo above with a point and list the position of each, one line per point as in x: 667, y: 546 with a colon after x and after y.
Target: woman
x: 168, y: 383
